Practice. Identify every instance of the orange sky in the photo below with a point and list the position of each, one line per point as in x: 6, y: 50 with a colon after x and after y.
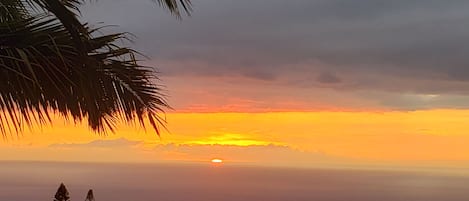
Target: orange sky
x: 435, y: 137
x: 357, y: 85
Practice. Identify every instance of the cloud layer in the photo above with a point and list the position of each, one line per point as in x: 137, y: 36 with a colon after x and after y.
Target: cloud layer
x: 412, y: 47
x: 124, y: 150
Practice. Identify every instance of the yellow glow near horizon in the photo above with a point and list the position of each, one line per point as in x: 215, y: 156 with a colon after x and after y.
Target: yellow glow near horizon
x: 398, y: 136
x: 229, y: 139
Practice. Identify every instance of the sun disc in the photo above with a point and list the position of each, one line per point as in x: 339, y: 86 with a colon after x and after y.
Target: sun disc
x: 217, y: 160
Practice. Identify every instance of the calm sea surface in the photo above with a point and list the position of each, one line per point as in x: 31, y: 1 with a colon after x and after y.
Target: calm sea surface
x: 34, y: 181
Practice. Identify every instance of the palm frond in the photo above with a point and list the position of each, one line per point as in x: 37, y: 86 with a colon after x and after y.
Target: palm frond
x: 174, y: 6
x: 11, y: 9
x: 54, y: 63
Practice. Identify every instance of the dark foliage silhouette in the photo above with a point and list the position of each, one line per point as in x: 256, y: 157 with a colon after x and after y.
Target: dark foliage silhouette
x: 89, y: 196
x: 62, y: 194
x: 50, y: 61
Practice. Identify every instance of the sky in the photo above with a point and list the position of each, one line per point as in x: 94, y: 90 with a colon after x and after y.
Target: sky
x: 302, y: 54
x: 289, y: 83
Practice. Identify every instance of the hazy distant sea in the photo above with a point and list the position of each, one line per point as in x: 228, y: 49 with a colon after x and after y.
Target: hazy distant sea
x: 37, y: 181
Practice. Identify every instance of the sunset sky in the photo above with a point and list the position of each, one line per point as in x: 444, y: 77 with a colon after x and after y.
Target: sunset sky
x: 289, y: 83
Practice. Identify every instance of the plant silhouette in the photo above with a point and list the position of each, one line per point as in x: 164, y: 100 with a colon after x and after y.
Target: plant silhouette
x: 50, y: 61
x: 62, y: 194
x: 89, y: 196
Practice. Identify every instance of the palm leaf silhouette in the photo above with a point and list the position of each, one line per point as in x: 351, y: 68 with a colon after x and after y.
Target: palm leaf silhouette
x: 51, y: 62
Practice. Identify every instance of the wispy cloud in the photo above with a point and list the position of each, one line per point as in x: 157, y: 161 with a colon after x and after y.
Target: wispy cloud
x: 254, y: 153
x: 117, y: 143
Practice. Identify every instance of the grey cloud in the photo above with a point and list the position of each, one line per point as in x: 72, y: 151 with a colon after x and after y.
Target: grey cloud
x: 399, y: 46
x: 328, y: 78
x: 424, y: 101
x: 262, y: 37
x: 121, y: 142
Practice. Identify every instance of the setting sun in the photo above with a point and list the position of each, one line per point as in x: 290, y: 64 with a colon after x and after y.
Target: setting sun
x: 217, y: 160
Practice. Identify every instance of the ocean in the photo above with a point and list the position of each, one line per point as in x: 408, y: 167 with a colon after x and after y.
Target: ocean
x: 35, y: 181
